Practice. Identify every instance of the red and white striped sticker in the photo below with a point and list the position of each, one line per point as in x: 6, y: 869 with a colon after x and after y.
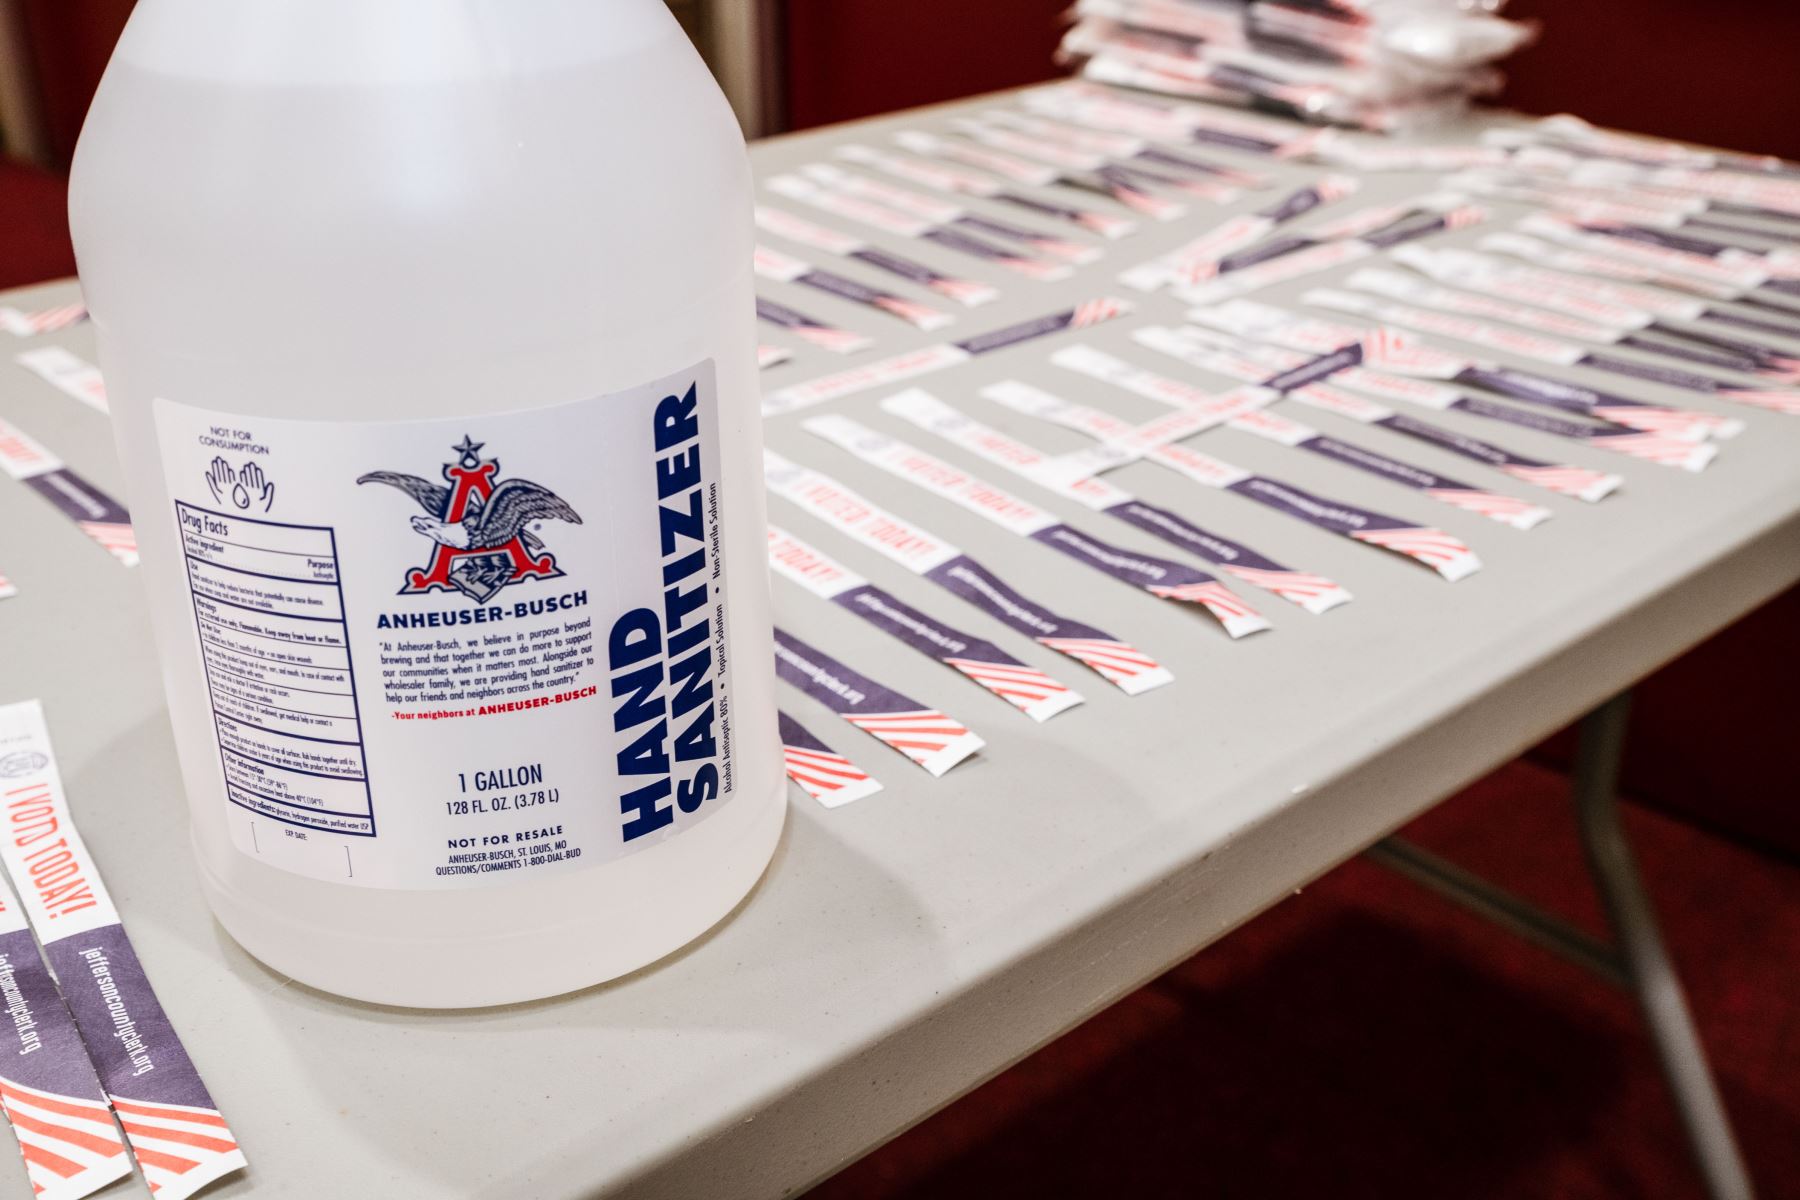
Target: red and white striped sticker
x: 1242, y: 410
x: 1420, y: 368
x: 822, y: 773
x: 1653, y: 418
x: 94, y: 512
x: 48, y: 1090
x: 1160, y: 577
x: 1123, y: 665
x: 927, y: 736
x: 1218, y: 353
x: 174, y: 1129
x: 937, y: 175
x: 772, y: 264
x: 1074, y: 475
x: 1024, y: 687
x: 936, y: 357
x: 46, y: 320
x: 68, y: 373
x: 987, y: 158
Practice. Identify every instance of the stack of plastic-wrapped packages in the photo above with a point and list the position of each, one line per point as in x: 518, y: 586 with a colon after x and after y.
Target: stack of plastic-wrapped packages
x: 1374, y: 64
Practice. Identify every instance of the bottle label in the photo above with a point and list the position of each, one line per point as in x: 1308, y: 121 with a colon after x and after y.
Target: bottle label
x: 455, y: 652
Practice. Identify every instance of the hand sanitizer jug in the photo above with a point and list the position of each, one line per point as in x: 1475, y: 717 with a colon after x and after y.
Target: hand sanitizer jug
x: 427, y: 328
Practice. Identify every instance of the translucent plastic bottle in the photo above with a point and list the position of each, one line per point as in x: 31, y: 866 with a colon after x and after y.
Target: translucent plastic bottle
x: 427, y: 327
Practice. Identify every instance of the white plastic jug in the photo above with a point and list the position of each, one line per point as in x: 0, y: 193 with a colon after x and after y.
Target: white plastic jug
x: 427, y: 327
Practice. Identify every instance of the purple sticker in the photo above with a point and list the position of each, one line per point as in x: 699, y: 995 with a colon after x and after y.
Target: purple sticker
x: 1720, y: 361
x: 1273, y: 248
x: 1158, y: 576
x: 1738, y: 320
x: 1293, y: 205
x: 1120, y: 663
x: 1314, y: 510
x: 927, y: 736
x: 1004, y: 229
x: 1093, y: 312
x: 1447, y: 555
x: 1184, y: 162
x: 827, y: 776
x: 1024, y: 687
x: 1312, y: 592
x: 952, y: 240
x: 102, y: 518
x: 793, y: 733
x: 1541, y: 422
x: 905, y: 268
x: 1378, y: 464
x: 77, y: 499
x: 1654, y: 373
x: 1457, y: 443
x: 48, y: 1088
x: 1315, y: 369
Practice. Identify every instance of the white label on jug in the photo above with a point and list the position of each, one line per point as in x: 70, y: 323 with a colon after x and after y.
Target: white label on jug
x: 447, y: 653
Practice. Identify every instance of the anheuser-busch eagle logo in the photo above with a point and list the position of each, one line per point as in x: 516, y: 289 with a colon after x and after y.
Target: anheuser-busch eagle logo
x: 480, y: 528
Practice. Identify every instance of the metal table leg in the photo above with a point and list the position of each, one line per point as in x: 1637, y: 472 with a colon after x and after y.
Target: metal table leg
x: 1636, y: 959
x: 1643, y: 955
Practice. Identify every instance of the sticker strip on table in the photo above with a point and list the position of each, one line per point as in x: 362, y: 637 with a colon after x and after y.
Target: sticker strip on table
x: 1622, y: 304
x: 1738, y: 275
x: 1086, y: 170
x: 1716, y: 350
x: 1260, y: 267
x: 1157, y: 576
x: 1199, y: 259
x: 899, y: 224
x: 1444, y: 553
x: 821, y: 772
x: 1409, y: 373
x: 1391, y: 349
x: 954, y: 220
x: 95, y: 513
x: 1096, y: 364
x: 1294, y: 375
x: 932, y: 739
x: 1121, y: 146
x: 1539, y: 347
x: 1314, y: 593
x: 772, y: 264
x: 1110, y: 109
x: 1118, y: 662
x: 48, y: 1090
x: 937, y: 357
x: 1024, y: 687
x: 967, y: 292
x: 811, y: 329
x: 174, y: 1128
x: 45, y: 320
x: 942, y: 212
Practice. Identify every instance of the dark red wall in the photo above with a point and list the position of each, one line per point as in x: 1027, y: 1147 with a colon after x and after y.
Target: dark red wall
x: 70, y: 42
x: 1721, y: 72
x: 851, y: 58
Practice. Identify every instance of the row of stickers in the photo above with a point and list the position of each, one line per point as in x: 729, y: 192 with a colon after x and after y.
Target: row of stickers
x: 98, y: 1080
x: 1675, y: 256
x: 1137, y: 153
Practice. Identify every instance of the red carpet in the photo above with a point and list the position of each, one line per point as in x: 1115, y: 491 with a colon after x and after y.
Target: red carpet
x: 1364, y: 1039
